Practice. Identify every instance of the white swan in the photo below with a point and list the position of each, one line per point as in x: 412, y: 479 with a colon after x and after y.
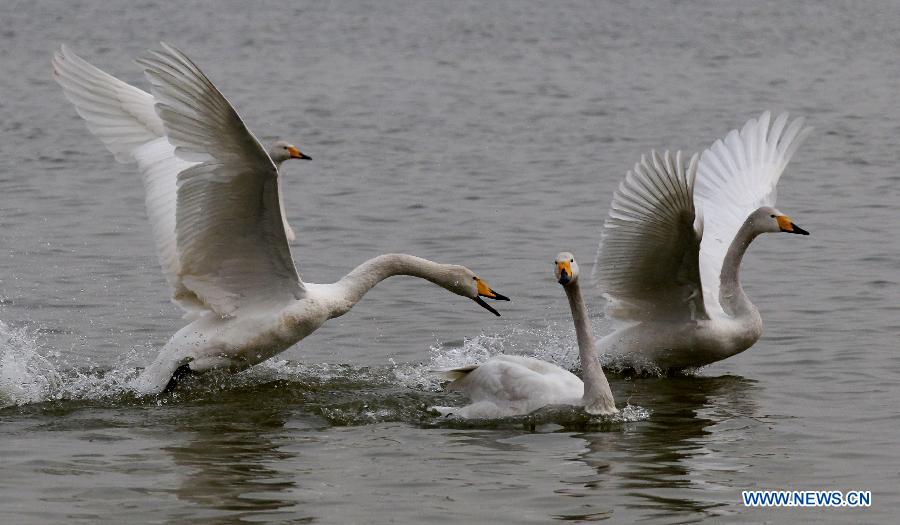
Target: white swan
x: 670, y: 255
x: 508, y: 385
x: 214, y: 201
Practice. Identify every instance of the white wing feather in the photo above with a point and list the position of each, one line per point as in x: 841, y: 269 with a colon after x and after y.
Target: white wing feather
x: 124, y: 119
x: 119, y: 114
x: 232, y: 247
x: 159, y: 167
x: 647, y: 260
x: 735, y: 177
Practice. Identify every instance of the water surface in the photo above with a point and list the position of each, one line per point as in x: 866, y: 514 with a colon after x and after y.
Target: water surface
x: 491, y: 136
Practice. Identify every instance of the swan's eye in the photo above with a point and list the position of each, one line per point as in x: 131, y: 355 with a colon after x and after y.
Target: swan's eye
x: 773, y: 215
x: 571, y: 260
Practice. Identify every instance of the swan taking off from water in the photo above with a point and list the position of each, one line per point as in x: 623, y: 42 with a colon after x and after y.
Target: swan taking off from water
x: 214, y: 201
x: 509, y: 385
x: 670, y: 255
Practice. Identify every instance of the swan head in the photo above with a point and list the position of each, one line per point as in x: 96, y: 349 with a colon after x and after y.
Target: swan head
x: 463, y: 281
x: 282, y: 151
x: 768, y: 219
x: 565, y: 268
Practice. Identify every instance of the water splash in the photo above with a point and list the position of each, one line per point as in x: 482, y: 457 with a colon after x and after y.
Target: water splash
x: 342, y: 394
x: 30, y: 373
x: 632, y: 413
x: 26, y: 375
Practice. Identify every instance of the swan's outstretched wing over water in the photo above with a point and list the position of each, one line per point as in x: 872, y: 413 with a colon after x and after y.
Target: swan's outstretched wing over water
x: 119, y: 114
x: 647, y: 260
x: 123, y: 117
x: 232, y: 247
x: 735, y: 177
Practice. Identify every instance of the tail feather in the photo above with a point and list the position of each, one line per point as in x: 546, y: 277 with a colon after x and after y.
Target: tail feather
x: 454, y: 374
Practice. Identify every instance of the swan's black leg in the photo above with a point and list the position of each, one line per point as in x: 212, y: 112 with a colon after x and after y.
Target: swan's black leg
x: 180, y: 373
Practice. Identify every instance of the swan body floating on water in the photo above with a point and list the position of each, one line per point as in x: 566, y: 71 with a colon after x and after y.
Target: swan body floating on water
x: 213, y: 196
x: 509, y: 385
x: 670, y: 255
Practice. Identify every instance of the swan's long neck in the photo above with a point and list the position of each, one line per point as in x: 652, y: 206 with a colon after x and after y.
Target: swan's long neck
x: 731, y: 294
x: 597, y: 395
x: 353, y: 286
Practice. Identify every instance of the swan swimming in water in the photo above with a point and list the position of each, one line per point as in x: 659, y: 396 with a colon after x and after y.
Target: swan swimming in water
x: 510, y: 385
x: 670, y: 255
x: 214, y: 201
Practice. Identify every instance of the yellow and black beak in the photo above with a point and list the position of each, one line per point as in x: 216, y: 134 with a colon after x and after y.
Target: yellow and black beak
x: 485, y: 291
x: 785, y: 224
x: 565, y: 272
x: 296, y: 154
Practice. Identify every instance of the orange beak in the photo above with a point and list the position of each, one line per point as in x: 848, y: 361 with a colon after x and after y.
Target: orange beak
x: 296, y: 154
x: 485, y: 291
x: 565, y: 272
x: 785, y: 224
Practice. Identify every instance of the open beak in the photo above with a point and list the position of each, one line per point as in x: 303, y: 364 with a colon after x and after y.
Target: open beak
x: 565, y: 272
x: 296, y: 154
x: 785, y: 224
x: 485, y: 291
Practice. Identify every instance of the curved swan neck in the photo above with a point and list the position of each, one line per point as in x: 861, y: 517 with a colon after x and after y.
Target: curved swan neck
x: 731, y: 294
x: 597, y: 394
x: 364, y: 277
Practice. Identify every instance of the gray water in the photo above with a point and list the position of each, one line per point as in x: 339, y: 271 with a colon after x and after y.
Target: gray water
x: 486, y: 135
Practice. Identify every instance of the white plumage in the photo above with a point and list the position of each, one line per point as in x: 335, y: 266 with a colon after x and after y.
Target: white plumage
x: 670, y: 254
x: 735, y: 177
x: 119, y: 114
x: 214, y: 201
x: 510, y: 385
x: 232, y: 247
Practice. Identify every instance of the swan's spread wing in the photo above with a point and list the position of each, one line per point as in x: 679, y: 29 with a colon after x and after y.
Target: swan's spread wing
x: 124, y: 119
x: 735, y: 177
x: 119, y: 114
x: 647, y: 260
x: 231, y: 241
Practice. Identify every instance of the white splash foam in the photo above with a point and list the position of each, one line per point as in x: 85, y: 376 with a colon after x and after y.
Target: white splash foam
x: 29, y: 373
x: 26, y: 375
x: 632, y: 413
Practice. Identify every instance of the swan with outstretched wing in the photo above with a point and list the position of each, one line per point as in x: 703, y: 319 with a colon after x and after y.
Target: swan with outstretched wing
x: 670, y: 254
x: 213, y: 196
